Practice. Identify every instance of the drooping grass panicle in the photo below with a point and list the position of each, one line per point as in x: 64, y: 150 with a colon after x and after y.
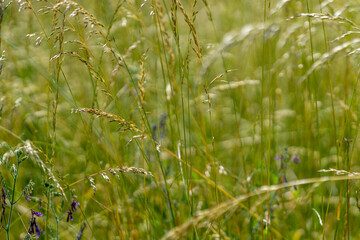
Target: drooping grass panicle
x: 322, y: 16
x: 328, y: 55
x: 113, y: 171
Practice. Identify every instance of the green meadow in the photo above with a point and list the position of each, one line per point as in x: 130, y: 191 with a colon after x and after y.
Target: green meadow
x: 179, y: 119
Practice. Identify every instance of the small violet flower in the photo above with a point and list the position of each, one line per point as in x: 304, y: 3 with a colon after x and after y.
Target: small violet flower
x: 73, y: 208
x: 74, y: 205
x: 33, y: 228
x: 39, y: 214
x: 295, y: 159
x: 69, y: 216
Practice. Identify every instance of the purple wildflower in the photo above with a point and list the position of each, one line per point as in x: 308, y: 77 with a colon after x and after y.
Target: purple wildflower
x: 74, y: 206
x: 39, y: 214
x: 295, y: 159
x: 33, y: 228
x: 69, y: 216
x: 277, y: 158
x: 79, y: 236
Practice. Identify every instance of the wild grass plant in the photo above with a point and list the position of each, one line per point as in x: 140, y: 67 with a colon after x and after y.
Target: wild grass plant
x: 179, y: 119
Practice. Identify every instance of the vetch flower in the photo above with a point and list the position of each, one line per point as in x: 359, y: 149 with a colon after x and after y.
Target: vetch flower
x: 39, y: 214
x: 73, y: 208
x: 295, y: 159
x: 74, y: 205
x: 69, y: 216
x: 33, y: 228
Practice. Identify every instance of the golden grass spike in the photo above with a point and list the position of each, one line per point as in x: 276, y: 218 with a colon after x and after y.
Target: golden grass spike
x: 192, y: 29
x: 112, y: 117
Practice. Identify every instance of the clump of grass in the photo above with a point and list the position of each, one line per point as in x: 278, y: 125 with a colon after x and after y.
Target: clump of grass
x: 200, y: 98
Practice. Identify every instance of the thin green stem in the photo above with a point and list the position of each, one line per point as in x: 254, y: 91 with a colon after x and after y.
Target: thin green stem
x: 12, y: 202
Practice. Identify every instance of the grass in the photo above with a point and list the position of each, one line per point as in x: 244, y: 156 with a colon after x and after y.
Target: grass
x: 179, y: 119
